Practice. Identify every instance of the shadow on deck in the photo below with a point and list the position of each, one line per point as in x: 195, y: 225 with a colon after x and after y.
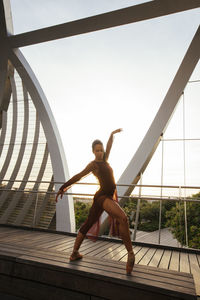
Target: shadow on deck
x: 31, y: 272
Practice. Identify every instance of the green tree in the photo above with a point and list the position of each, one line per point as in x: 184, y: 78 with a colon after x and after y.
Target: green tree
x: 81, y: 212
x: 130, y: 209
x: 176, y: 221
x: 149, y: 213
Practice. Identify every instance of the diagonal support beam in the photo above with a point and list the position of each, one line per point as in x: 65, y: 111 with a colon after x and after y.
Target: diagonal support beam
x: 152, y: 138
x: 136, y: 13
x: 143, y: 155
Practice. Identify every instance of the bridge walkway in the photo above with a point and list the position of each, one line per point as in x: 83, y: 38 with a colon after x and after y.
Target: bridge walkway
x: 159, y: 271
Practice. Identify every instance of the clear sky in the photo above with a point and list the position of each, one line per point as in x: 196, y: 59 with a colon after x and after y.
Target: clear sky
x: 115, y: 78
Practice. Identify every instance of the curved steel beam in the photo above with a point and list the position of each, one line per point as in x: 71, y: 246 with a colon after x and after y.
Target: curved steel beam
x: 31, y: 197
x: 3, y: 130
x: 64, y: 208
x: 5, y: 194
x: 6, y: 29
x: 7, y: 161
x: 3, y: 54
x: 136, y: 13
x: 16, y: 197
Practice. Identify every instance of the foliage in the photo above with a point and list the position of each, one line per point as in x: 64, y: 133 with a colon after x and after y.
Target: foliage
x: 172, y: 216
x: 81, y: 212
x: 130, y: 209
x: 149, y: 214
x: 176, y: 220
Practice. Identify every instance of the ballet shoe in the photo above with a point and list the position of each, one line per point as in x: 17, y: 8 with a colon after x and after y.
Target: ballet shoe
x: 75, y: 256
x: 130, y: 263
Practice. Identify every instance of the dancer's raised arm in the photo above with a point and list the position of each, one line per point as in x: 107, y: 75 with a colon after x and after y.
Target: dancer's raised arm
x: 89, y: 168
x: 110, y: 141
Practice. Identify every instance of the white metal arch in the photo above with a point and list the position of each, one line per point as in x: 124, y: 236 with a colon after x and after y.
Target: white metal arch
x: 65, y: 220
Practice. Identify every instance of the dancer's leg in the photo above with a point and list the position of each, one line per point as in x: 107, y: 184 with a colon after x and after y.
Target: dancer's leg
x: 115, y: 211
x: 75, y: 253
x: 93, y: 216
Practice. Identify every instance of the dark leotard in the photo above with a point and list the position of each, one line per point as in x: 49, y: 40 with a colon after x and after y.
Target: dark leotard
x: 104, y: 173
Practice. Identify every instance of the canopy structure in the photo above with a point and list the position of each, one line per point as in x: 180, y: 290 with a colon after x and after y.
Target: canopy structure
x: 13, y: 62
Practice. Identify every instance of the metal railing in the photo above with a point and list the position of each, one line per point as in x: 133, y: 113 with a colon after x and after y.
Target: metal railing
x: 150, y: 195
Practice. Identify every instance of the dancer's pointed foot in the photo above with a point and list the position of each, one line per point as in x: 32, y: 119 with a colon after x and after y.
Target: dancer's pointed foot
x: 75, y: 255
x: 130, y: 262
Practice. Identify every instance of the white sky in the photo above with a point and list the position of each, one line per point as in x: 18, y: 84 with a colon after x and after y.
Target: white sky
x: 114, y: 78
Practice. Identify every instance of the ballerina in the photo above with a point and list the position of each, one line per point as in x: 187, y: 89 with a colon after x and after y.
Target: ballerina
x: 104, y: 199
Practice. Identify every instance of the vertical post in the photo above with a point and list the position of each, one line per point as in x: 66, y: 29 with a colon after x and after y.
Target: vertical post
x: 184, y: 174
x: 161, y: 190
x: 179, y: 203
x: 138, y: 209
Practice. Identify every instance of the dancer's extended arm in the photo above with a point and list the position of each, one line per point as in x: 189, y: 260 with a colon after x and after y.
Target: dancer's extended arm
x: 74, y: 179
x: 110, y: 141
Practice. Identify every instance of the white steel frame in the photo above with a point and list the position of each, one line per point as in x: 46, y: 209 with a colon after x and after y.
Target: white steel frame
x: 9, y: 50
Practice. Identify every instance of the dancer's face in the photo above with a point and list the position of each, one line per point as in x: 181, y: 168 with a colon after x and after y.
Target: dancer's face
x: 98, y: 151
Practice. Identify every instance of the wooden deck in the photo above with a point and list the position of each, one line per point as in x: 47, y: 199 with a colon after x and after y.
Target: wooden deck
x: 166, y: 237
x: 156, y: 273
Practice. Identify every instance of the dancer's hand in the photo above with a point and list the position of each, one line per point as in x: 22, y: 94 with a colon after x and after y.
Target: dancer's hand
x: 59, y: 193
x: 117, y: 130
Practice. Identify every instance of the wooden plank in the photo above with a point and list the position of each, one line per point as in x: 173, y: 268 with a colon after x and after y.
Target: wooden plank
x: 57, y: 256
x: 147, y: 257
x: 156, y: 258
x: 29, y: 249
x: 91, y: 248
x: 32, y: 290
x: 101, y: 263
x: 148, y: 280
x: 115, y: 252
x: 37, y: 235
x: 184, y: 263
x: 136, y: 249
x: 140, y: 276
x: 195, y: 270
x: 15, y: 237
x: 140, y: 254
x: 5, y: 230
x: 64, y: 245
x: 7, y: 296
x: 45, y: 240
x: 98, y: 248
x: 20, y: 235
x: 109, y: 249
x: 87, y: 245
x: 165, y: 260
x: 119, y: 256
x: 174, y: 262
x: 15, y: 251
x: 59, y: 241
x: 28, y: 240
x: 48, y: 243
x: 103, y: 267
x: 96, y: 298
x: 38, y: 253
